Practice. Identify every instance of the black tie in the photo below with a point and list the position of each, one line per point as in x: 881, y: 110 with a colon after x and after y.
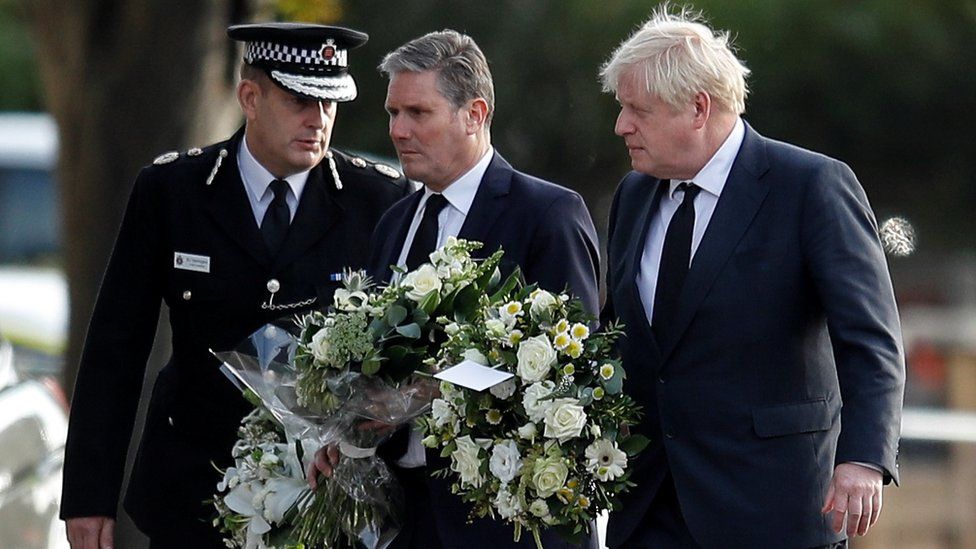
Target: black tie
x: 425, y: 239
x: 274, y: 226
x: 675, y: 259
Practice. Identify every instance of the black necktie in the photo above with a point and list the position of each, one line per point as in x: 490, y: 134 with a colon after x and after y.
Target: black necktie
x: 274, y: 226
x: 675, y: 259
x: 425, y: 239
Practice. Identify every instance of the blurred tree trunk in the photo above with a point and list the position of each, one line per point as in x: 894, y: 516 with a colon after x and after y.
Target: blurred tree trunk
x: 126, y: 81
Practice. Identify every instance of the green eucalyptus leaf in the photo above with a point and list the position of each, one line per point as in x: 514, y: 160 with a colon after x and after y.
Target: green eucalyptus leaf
x: 634, y: 444
x: 410, y: 331
x: 395, y: 315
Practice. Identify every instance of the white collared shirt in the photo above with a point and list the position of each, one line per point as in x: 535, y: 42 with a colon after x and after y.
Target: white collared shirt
x: 711, y: 179
x: 257, y: 182
x: 459, y: 194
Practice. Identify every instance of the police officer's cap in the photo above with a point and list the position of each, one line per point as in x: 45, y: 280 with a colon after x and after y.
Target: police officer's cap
x: 304, y: 59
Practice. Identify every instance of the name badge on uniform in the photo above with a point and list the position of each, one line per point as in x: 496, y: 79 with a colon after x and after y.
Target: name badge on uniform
x: 190, y: 262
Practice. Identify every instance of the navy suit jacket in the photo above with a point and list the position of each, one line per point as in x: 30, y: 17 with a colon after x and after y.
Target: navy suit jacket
x: 547, y: 231
x: 786, y: 329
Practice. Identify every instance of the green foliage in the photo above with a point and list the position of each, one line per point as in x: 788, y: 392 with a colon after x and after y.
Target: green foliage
x: 20, y: 88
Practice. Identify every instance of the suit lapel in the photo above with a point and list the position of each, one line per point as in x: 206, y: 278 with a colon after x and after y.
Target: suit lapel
x: 488, y: 202
x: 646, y: 211
x: 318, y: 211
x: 741, y: 198
x: 400, y: 220
x: 229, y: 206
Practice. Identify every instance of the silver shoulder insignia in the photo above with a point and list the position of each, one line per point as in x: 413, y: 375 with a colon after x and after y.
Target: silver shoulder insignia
x: 195, y: 151
x: 358, y: 162
x: 387, y: 171
x: 166, y: 158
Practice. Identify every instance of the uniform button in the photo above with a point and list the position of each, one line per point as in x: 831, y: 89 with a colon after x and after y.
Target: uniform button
x: 669, y: 434
x: 274, y: 285
x: 170, y: 420
x: 661, y: 380
x: 187, y: 295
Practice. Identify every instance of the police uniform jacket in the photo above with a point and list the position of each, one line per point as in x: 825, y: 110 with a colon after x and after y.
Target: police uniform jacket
x: 196, y: 205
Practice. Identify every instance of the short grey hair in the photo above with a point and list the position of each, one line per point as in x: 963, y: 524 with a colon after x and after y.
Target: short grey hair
x: 678, y: 55
x: 462, y: 70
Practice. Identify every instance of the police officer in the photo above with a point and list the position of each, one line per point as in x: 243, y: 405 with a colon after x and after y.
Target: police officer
x: 230, y: 236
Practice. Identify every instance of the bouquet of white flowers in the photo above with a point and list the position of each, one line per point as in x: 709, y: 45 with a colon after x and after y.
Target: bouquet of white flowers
x: 343, y: 378
x: 547, y: 448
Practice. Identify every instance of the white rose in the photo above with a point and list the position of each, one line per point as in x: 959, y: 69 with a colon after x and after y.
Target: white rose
x: 535, y: 409
x: 542, y: 303
x: 422, y: 281
x: 504, y: 389
x: 474, y: 355
x: 505, y: 461
x: 605, y: 460
x: 535, y: 358
x: 442, y: 413
x: 528, y: 431
x: 320, y: 345
x: 565, y: 419
x: 466, y: 463
x: 548, y: 476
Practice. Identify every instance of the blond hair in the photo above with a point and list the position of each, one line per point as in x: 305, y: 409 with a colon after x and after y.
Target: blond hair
x: 678, y: 56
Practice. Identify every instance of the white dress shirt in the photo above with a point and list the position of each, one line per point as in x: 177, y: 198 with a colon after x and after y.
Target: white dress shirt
x: 257, y: 182
x: 459, y: 194
x: 711, y: 179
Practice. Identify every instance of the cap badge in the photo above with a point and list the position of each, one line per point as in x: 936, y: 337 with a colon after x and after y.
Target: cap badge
x: 328, y: 50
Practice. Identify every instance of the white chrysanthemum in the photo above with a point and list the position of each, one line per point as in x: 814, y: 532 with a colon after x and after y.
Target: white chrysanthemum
x: 606, y: 371
x: 605, y: 460
x: 561, y: 341
x: 539, y: 508
x: 580, y: 331
x: 515, y: 337
x: 510, y: 312
x: 574, y: 349
x: 505, y: 461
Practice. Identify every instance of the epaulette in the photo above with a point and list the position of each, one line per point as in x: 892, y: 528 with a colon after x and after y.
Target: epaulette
x: 166, y: 158
x: 383, y: 169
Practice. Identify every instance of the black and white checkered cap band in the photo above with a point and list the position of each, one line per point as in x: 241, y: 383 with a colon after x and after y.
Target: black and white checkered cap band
x: 309, y: 58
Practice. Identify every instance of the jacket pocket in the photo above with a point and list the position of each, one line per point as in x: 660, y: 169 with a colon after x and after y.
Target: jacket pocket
x: 797, y: 417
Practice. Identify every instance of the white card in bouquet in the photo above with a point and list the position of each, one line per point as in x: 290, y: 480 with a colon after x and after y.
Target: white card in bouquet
x: 474, y: 376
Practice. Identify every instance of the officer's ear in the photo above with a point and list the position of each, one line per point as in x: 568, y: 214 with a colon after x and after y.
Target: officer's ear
x: 248, y: 94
